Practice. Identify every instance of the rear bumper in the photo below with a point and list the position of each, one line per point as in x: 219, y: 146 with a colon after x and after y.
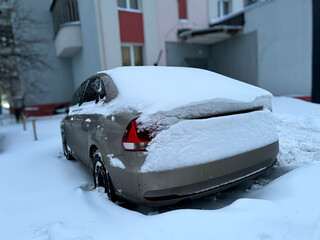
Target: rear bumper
x: 168, y: 187
x: 158, y: 195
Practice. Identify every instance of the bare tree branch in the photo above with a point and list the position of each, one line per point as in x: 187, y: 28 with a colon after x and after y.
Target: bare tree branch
x: 20, y: 52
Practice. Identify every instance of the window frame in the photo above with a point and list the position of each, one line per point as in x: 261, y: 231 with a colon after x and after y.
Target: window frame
x: 98, y: 97
x: 110, y: 87
x: 221, y: 8
x: 129, y: 9
x: 246, y: 2
x: 80, y: 90
x: 131, y: 51
x: 104, y: 90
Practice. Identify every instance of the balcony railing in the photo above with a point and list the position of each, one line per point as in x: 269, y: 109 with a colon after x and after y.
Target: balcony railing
x: 64, y: 11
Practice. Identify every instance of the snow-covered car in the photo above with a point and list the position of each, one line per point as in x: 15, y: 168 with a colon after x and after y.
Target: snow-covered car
x: 158, y: 135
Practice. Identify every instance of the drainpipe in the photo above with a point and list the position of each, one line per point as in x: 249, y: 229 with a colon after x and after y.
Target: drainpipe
x: 316, y: 51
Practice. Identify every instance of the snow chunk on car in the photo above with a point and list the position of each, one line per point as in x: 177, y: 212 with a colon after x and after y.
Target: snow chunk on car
x: 198, y: 141
x: 115, y: 162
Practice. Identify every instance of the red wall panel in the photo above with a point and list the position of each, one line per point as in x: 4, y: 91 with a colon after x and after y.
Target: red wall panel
x: 131, y: 27
x: 182, y: 4
x: 43, y: 109
x: 305, y: 98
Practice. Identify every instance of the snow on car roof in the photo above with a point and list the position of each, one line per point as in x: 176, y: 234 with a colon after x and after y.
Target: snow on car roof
x: 150, y: 89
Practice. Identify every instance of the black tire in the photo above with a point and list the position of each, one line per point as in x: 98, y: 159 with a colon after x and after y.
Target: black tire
x: 66, y: 150
x: 101, y: 176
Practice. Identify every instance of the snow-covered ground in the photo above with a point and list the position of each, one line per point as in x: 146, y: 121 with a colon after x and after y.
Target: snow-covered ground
x: 299, y: 131
x: 44, y: 196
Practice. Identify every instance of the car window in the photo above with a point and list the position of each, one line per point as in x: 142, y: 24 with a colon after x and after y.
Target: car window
x: 95, y: 91
x: 110, y: 88
x: 90, y: 93
x: 77, y: 95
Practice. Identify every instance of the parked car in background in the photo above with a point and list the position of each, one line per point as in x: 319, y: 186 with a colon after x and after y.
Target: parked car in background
x: 158, y: 135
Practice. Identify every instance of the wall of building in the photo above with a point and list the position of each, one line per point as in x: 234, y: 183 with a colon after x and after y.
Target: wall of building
x: 151, y: 42
x: 169, y: 23
x: 237, y: 5
x: 107, y: 22
x: 55, y: 81
x: 284, y: 33
x: 188, y: 55
x: 87, y: 61
x: 237, y: 58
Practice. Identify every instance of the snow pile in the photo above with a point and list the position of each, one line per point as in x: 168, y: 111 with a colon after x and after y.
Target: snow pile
x: 193, y: 142
x: 298, y: 127
x: 154, y: 90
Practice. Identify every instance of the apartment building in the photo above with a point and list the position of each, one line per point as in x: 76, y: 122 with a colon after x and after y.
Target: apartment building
x: 101, y: 34
x: 249, y: 40
x: 83, y: 37
x: 267, y: 43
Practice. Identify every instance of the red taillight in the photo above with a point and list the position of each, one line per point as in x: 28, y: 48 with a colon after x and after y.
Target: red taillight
x: 135, y: 140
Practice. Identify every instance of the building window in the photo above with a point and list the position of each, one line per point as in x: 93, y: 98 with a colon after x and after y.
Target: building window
x: 249, y: 2
x: 64, y: 11
x: 182, y: 5
x: 132, y: 5
x: 223, y: 8
x: 132, y: 55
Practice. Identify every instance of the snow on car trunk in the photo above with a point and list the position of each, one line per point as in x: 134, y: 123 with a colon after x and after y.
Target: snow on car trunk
x: 172, y: 90
x: 198, y: 141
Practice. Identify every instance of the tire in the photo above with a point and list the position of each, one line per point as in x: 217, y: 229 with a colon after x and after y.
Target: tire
x: 66, y: 150
x: 101, y: 176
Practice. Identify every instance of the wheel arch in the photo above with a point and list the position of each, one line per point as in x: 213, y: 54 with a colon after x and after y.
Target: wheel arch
x: 93, y: 148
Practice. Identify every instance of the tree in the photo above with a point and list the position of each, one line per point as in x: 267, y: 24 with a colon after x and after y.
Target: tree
x: 8, y: 62
x: 21, y: 55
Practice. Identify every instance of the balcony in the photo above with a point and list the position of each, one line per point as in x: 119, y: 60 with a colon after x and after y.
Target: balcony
x: 67, y: 28
x: 221, y: 29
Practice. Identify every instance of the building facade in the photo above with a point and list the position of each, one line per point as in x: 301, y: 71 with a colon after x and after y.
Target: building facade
x: 267, y: 44
x: 108, y: 34
x: 258, y: 42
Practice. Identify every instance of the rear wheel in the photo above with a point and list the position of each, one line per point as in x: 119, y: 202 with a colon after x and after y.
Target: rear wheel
x: 101, y: 176
x: 66, y: 149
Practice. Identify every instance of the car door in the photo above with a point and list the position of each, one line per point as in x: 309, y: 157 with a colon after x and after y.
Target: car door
x: 86, y: 123
x: 69, y: 128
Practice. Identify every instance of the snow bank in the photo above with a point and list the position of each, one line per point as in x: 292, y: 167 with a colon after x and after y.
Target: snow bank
x: 298, y: 127
x: 150, y: 90
x: 193, y: 142
x: 295, y: 107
